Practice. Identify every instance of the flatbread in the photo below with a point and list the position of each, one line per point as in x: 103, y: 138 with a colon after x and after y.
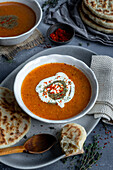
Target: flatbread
x: 73, y: 137
x: 101, y: 8
x: 102, y: 22
x: 14, y: 123
x: 92, y: 24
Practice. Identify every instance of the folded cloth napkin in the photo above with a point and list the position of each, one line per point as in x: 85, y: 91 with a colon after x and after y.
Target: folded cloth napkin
x: 68, y: 13
x: 103, y: 69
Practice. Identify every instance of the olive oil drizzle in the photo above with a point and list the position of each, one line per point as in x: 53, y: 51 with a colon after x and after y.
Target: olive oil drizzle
x: 57, y: 95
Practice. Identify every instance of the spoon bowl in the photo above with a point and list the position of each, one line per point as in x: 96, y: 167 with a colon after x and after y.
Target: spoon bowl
x: 39, y: 143
x: 36, y: 144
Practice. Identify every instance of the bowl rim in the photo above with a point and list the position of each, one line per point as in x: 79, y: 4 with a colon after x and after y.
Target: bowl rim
x: 81, y: 114
x: 59, y: 42
x: 32, y: 29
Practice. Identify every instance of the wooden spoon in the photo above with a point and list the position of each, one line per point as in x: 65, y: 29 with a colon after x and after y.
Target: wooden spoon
x: 37, y: 144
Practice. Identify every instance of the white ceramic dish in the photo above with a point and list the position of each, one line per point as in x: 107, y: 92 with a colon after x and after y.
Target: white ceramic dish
x: 29, y: 161
x: 55, y: 58
x: 34, y: 5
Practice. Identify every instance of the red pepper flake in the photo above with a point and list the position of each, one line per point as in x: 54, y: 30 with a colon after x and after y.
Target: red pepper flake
x: 103, y: 146
x: 93, y: 131
x: 98, y: 142
x: 58, y: 77
x: 51, y: 92
x: 47, y: 46
x: 110, y: 131
x: 105, y: 143
x: 100, y: 138
x: 96, y: 165
x: 111, y: 136
x: 2, y: 22
x: 60, y: 35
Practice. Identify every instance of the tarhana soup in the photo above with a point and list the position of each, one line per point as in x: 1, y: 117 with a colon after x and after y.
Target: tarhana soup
x: 56, y: 91
x: 15, y: 19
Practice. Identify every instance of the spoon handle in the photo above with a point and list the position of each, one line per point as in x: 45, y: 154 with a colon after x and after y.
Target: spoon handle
x: 10, y: 150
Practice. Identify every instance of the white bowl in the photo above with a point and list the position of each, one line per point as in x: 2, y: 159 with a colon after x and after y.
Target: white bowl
x: 55, y: 58
x: 34, y: 5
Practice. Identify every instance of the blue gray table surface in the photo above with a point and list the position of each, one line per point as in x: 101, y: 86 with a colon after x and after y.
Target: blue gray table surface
x: 106, y: 140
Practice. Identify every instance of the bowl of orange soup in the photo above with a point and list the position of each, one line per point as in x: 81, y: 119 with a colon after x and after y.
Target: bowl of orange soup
x: 18, y: 20
x: 56, y: 88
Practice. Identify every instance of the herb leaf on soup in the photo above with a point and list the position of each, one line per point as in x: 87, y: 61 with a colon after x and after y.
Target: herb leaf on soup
x: 8, y: 21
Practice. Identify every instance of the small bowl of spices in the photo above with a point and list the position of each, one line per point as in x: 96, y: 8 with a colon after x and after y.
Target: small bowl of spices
x: 60, y: 33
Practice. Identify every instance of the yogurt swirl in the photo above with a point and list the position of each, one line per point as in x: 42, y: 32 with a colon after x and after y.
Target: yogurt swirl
x: 58, y: 89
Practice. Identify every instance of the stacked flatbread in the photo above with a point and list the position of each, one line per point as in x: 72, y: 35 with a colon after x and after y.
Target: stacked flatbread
x: 73, y: 137
x: 98, y: 14
x: 14, y: 123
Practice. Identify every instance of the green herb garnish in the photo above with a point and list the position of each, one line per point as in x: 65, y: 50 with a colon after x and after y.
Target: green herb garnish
x: 88, y: 44
x: 50, y: 4
x: 80, y: 44
x: 91, y: 155
x: 57, y: 95
x: 8, y: 21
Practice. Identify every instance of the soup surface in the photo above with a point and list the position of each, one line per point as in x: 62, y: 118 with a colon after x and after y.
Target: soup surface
x: 51, y: 111
x: 15, y: 19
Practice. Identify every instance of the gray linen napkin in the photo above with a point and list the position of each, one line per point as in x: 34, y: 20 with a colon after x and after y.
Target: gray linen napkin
x: 68, y: 13
x: 103, y: 69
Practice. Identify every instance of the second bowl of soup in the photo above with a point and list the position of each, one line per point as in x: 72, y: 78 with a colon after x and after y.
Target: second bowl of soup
x: 18, y: 20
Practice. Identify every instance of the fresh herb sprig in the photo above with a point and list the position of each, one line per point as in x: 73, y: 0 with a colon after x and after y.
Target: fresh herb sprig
x: 49, y: 4
x: 91, y: 155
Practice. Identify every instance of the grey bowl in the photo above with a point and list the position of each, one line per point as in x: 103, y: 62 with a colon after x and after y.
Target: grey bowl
x: 34, y: 5
x: 66, y: 27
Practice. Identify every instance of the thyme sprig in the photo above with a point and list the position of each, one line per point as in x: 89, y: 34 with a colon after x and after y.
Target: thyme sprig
x: 91, y: 155
x: 49, y: 4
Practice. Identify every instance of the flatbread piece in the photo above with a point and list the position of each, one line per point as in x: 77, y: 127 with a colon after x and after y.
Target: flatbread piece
x: 102, y: 22
x: 92, y: 24
x: 14, y: 123
x: 73, y: 137
x: 101, y: 8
